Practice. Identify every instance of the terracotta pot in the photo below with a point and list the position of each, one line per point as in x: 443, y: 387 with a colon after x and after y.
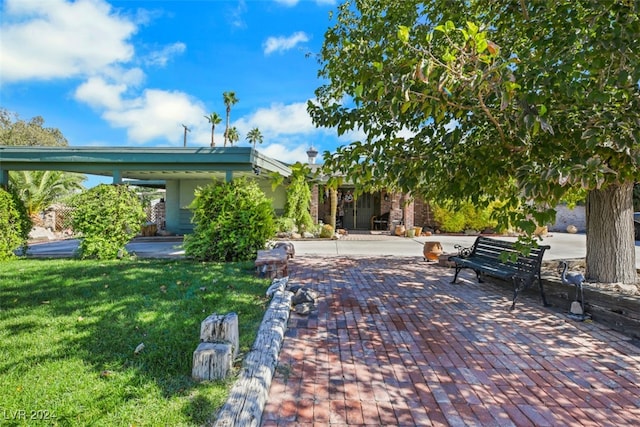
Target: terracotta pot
x: 432, y: 250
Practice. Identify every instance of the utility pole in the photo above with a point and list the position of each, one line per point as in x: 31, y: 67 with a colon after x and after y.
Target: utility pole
x: 186, y: 129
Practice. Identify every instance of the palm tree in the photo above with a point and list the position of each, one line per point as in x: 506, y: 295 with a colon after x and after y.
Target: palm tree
x: 233, y: 135
x: 254, y: 136
x: 40, y: 189
x: 229, y: 100
x: 214, y: 119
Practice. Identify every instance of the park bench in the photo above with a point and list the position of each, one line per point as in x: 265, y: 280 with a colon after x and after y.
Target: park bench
x: 494, y: 258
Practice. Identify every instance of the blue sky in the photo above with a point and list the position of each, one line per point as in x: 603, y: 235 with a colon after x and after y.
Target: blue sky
x: 131, y: 73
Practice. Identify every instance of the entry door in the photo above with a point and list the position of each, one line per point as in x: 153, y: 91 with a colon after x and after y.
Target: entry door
x: 359, y: 213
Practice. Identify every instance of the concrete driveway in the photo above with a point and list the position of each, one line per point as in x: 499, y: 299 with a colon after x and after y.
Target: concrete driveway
x: 563, y: 246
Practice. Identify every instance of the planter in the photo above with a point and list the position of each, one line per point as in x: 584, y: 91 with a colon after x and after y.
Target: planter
x: 400, y: 230
x: 432, y: 251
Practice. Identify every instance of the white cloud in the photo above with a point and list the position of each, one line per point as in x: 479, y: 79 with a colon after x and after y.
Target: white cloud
x: 99, y: 94
x: 278, y: 119
x: 161, y: 114
x: 291, y: 3
x: 160, y: 58
x: 235, y: 16
x: 285, y: 153
x: 45, y: 39
x: 281, y: 44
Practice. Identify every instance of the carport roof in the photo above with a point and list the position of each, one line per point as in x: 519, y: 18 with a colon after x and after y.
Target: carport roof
x: 143, y: 164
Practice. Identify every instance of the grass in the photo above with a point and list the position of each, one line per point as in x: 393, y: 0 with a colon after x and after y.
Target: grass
x: 69, y: 328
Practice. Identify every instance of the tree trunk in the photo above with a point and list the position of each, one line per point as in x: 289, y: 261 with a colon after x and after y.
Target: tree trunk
x: 334, y: 206
x: 611, y: 255
x: 212, y: 361
x: 220, y: 328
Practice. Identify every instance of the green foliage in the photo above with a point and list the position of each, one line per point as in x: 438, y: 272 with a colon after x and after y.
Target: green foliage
x: 213, y: 119
x: 108, y: 217
x: 15, y: 224
x: 230, y: 99
x: 232, y: 220
x: 326, y: 231
x: 574, y: 197
x: 255, y: 136
x: 285, y: 225
x: 298, y: 199
x: 515, y: 101
x: 467, y: 216
x: 15, y: 131
x: 40, y: 189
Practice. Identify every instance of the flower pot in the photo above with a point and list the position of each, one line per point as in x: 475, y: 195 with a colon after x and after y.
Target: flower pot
x: 432, y: 250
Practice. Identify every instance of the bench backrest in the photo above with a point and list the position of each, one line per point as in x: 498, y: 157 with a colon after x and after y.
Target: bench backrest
x: 494, y: 249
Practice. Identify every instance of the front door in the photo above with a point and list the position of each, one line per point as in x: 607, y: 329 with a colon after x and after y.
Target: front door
x: 357, y: 214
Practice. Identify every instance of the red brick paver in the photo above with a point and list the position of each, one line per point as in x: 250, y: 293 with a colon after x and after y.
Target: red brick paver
x: 393, y: 343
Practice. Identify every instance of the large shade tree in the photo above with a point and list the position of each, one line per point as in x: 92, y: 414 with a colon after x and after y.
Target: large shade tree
x: 518, y: 101
x: 16, y: 131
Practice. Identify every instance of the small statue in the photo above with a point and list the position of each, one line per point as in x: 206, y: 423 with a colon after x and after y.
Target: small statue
x: 575, y: 279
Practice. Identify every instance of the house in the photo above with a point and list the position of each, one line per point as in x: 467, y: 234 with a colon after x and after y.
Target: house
x: 364, y: 211
x: 180, y: 170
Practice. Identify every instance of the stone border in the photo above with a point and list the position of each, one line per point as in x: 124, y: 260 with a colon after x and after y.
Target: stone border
x: 249, y: 394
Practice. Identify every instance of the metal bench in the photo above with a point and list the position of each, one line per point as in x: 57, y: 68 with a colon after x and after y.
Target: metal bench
x: 502, y: 259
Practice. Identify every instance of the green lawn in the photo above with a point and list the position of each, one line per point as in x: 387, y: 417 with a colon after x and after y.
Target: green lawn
x: 69, y: 328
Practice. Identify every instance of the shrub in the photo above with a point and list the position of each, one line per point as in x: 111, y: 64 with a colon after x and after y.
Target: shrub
x: 285, y: 225
x: 232, y: 220
x: 450, y: 220
x: 108, y: 217
x: 466, y: 216
x: 298, y: 200
x: 326, y: 231
x: 15, y: 224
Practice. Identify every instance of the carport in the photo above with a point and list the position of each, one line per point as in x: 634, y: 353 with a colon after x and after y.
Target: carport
x: 179, y: 170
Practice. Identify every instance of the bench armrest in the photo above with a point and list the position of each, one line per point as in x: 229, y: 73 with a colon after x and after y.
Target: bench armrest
x: 462, y: 251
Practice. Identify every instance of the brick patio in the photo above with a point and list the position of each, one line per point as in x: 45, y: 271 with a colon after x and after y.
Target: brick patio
x: 394, y: 343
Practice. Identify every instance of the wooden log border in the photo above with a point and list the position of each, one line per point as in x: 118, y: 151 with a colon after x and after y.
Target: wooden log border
x: 249, y: 393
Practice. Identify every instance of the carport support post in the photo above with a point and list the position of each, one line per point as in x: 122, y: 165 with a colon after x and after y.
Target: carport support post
x: 4, y: 178
x: 117, y: 177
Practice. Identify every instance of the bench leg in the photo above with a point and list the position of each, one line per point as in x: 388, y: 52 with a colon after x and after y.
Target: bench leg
x: 455, y: 277
x: 542, y: 294
x: 516, y: 291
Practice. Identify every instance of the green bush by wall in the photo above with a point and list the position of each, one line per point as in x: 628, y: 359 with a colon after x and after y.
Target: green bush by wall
x: 15, y: 224
x: 108, y: 217
x: 233, y: 220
